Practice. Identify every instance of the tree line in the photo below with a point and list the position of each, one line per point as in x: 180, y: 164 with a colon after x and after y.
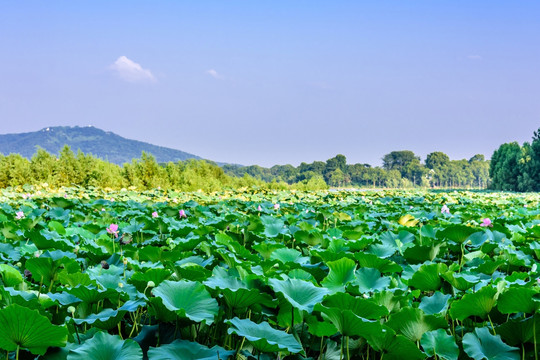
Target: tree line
x: 401, y: 169
x: 517, y: 168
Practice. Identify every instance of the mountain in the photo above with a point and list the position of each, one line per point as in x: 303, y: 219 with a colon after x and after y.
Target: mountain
x: 90, y: 140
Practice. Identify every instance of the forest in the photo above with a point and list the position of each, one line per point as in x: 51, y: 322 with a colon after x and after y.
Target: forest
x: 401, y: 169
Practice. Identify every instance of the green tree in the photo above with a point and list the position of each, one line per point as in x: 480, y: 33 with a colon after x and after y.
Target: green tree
x: 504, y: 167
x: 406, y: 163
x: 43, y: 167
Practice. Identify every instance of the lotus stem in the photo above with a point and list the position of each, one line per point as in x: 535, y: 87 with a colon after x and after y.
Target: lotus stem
x: 348, y: 356
x: 492, y: 327
x: 534, y: 338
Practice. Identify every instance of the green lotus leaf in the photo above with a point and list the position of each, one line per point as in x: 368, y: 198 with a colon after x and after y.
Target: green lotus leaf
x: 141, y: 279
x: 435, y: 304
x: 10, y: 276
x: 518, y: 299
x: 90, y: 294
x: 56, y: 227
x: 109, y: 318
x: 188, y: 299
x: 106, y: 319
x: 370, y: 280
x: 420, y: 253
x: 394, y: 346
x: 461, y: 281
x: 303, y: 295
x: 45, y: 239
x: 341, y: 273
x: 320, y: 328
x: 382, y: 251
x: 439, y: 344
x: 312, y: 237
x: 64, y: 298
x: 456, y: 233
x: 187, y: 350
x: 107, y: 347
x: 516, y: 332
x: 75, y: 279
x: 42, y: 269
x: 263, y: 337
x: 348, y: 323
x: 272, y: 226
x: 481, y: 345
x: 372, y: 261
x: 267, y: 248
x: 300, y: 275
x: 427, y: 277
x: 413, y: 323
x: 365, y: 308
x: 236, y: 292
x: 286, y: 255
x: 479, y: 304
x: 27, y: 329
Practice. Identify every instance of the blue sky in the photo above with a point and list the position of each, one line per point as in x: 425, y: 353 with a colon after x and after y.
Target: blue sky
x: 276, y: 82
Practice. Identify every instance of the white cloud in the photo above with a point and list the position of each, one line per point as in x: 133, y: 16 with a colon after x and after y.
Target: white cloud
x: 130, y: 71
x: 474, y: 57
x: 213, y: 73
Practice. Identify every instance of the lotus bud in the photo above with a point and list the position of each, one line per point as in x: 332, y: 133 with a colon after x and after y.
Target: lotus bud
x: 19, y: 264
x: 71, y: 309
x: 120, y: 285
x: 125, y: 261
x: 151, y: 284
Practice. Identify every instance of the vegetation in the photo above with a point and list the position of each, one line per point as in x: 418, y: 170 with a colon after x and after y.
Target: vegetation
x: 70, y: 169
x: 90, y: 274
x: 401, y: 169
x: 517, y: 168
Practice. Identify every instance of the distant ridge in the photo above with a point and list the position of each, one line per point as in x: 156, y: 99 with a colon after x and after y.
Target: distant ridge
x: 90, y: 140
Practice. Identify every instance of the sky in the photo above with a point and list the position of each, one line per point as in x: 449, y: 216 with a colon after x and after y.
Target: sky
x: 277, y: 82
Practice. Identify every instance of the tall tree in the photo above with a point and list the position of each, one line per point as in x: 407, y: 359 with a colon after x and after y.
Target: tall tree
x: 504, y: 169
x: 436, y: 160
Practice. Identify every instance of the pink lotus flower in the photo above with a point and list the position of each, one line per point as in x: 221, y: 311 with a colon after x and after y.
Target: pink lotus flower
x: 19, y: 215
x: 155, y: 214
x: 113, y: 230
x: 182, y: 214
x: 259, y: 208
x: 445, y: 210
x: 276, y: 206
x: 486, y: 222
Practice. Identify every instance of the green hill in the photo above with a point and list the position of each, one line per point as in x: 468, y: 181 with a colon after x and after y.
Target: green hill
x: 88, y: 139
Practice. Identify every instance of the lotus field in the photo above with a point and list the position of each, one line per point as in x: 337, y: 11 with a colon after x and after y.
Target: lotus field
x: 91, y: 274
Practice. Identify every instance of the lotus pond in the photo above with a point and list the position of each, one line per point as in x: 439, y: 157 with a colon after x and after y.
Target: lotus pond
x: 88, y: 274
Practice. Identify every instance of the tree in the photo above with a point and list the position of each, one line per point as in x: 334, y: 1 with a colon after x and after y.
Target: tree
x: 504, y: 169
x: 406, y: 163
x: 477, y: 158
x: 43, y: 167
x: 436, y: 160
x: 337, y: 162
